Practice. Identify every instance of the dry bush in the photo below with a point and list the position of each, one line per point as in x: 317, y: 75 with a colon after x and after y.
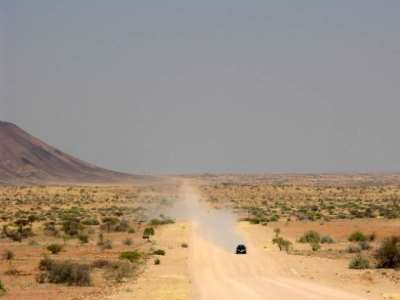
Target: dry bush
x: 8, y: 255
x: 66, y: 272
x: 310, y: 237
x: 359, y: 263
x: 282, y: 244
x: 2, y: 288
x: 119, y: 270
x: 388, y: 254
x: 132, y: 256
x: 54, y: 248
x: 357, y: 236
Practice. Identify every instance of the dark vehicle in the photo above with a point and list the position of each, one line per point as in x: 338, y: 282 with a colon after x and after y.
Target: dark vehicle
x: 241, y: 249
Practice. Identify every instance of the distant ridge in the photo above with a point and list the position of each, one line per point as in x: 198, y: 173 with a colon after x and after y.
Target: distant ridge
x: 25, y: 159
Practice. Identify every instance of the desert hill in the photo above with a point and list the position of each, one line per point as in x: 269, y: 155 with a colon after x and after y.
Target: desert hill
x: 25, y: 159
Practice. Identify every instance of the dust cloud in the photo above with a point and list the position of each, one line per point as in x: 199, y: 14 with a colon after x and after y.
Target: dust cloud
x: 215, y: 225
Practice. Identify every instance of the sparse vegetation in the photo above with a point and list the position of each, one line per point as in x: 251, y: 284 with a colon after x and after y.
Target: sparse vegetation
x: 115, y: 218
x: 318, y: 204
x: 307, y: 198
x: 58, y: 217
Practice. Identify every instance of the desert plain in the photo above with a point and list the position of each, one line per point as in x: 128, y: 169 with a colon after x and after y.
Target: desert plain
x: 308, y: 237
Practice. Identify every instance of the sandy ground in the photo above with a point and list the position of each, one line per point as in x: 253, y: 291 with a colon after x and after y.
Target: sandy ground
x: 369, y: 284
x: 218, y: 274
x: 171, y: 279
x: 206, y: 271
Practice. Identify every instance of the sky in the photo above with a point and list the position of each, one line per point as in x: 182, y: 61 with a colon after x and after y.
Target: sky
x: 219, y: 86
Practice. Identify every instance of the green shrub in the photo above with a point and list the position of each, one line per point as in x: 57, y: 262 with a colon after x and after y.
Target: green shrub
x: 54, y: 248
x: 310, y: 237
x: 388, y: 254
x: 357, y: 236
x: 149, y: 231
x: 159, y: 252
x: 2, y: 288
x: 72, y: 227
x: 327, y: 240
x: 157, y: 261
x: 184, y: 245
x: 132, y: 256
x: 359, y: 263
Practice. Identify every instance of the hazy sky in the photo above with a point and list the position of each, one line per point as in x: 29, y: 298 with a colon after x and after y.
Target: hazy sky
x: 207, y: 86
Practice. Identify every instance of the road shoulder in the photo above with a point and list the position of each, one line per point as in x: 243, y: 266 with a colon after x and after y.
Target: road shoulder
x: 170, y: 279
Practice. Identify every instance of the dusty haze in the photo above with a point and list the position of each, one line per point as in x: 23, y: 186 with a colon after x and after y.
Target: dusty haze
x: 215, y: 225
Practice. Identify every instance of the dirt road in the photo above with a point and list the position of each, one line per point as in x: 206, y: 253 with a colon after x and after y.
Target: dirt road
x: 208, y: 270
x: 219, y: 274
